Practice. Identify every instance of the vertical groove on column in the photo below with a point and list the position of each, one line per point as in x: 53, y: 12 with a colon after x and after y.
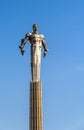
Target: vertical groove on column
x: 31, y: 107
x: 40, y: 109
x: 40, y: 106
x: 37, y: 107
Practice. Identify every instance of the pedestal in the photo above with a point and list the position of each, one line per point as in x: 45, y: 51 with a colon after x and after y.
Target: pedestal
x: 36, y: 105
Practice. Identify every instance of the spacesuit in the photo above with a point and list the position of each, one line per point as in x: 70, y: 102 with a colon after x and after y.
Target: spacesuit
x: 37, y: 41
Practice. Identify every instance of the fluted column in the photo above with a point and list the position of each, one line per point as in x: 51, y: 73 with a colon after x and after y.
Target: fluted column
x: 36, y: 105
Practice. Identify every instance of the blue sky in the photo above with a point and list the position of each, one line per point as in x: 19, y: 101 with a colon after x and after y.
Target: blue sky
x: 62, y: 71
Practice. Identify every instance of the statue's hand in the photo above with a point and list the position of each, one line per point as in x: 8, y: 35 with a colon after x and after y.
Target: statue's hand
x: 22, y: 50
x: 45, y: 52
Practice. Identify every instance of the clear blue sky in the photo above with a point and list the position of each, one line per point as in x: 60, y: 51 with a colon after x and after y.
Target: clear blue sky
x: 62, y: 71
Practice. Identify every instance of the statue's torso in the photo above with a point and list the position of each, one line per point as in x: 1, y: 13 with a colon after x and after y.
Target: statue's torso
x: 35, y: 39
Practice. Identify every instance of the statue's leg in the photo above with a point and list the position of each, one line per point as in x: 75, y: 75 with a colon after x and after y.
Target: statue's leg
x: 38, y: 64
x: 32, y: 62
x: 35, y: 62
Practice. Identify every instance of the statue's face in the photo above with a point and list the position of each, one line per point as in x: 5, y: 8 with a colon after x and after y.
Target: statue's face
x: 35, y: 28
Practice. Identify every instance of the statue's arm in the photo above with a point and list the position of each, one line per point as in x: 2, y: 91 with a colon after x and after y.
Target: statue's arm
x: 23, y: 42
x: 44, y: 46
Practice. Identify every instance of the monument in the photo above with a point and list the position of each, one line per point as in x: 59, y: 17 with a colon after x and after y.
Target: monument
x: 37, y: 41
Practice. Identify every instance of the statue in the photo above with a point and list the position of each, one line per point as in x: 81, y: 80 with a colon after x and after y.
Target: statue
x: 37, y: 41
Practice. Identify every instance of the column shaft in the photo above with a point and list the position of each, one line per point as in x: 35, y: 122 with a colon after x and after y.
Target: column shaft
x: 35, y: 106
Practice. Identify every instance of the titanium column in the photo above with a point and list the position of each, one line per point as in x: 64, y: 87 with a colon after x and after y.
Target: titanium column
x: 36, y: 105
x: 37, y: 41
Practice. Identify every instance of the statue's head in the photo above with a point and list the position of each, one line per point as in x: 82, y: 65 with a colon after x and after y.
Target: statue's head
x: 35, y: 27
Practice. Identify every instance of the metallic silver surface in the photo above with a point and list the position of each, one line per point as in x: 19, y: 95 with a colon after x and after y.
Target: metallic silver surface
x: 37, y: 41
